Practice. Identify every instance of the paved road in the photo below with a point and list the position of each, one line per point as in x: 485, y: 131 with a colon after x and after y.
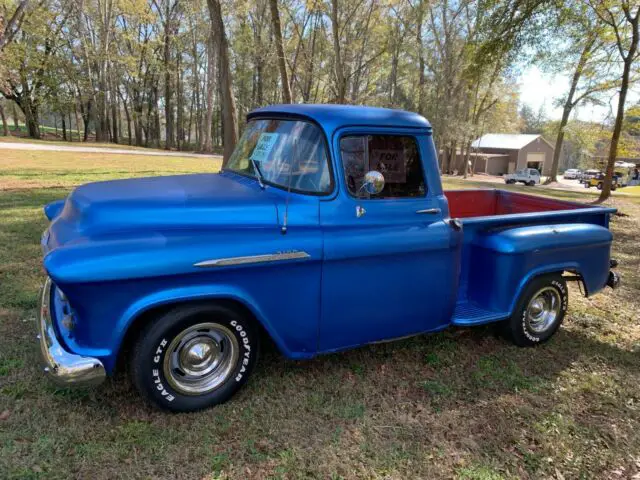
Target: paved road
x: 65, y: 148
x: 562, y: 184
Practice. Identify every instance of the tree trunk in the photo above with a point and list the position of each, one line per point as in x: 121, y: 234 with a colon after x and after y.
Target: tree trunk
x: 168, y: 82
x: 70, y: 126
x: 306, y: 94
x: 5, y: 126
x: 341, y: 84
x: 421, y: 62
x: 229, y: 117
x: 467, y: 153
x: 64, y: 128
x: 617, y: 127
x: 190, y: 122
x: 86, y: 118
x: 206, y: 138
x: 31, y: 118
x: 128, y: 116
x: 75, y: 111
x: 114, y: 118
x: 277, y: 32
x: 138, y: 117
x: 179, y: 106
x: 16, y: 126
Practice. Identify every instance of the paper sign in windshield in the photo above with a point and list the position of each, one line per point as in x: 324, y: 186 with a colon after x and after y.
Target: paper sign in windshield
x: 265, y: 144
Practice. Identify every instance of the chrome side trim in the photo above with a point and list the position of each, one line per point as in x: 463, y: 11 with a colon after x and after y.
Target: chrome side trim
x: 430, y: 210
x: 272, y: 257
x: 64, y: 368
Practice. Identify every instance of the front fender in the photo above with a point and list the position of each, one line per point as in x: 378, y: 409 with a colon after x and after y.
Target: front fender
x: 53, y: 209
x: 197, y: 293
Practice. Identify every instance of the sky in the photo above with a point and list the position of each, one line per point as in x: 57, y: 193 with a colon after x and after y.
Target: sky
x: 539, y: 88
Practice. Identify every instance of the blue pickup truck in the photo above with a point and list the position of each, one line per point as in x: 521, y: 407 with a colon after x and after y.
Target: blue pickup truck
x: 327, y: 229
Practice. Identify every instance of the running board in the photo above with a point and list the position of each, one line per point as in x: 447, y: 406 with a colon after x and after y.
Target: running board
x: 468, y: 314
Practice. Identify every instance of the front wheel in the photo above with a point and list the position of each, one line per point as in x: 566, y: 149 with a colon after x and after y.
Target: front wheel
x: 531, y: 183
x: 539, y: 311
x: 194, y: 357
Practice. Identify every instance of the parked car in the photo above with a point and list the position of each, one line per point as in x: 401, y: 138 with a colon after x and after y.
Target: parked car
x: 327, y: 229
x: 528, y: 176
x: 589, y: 174
x: 598, y: 181
x: 572, y: 174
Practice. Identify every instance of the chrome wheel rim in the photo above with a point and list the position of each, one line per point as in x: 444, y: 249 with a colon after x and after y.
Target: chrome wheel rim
x: 201, y: 358
x: 543, y: 309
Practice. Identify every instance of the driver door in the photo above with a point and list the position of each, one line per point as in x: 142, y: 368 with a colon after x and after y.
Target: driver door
x: 390, y: 264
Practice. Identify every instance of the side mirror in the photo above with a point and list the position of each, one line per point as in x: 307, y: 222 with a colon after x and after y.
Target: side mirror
x: 373, y: 182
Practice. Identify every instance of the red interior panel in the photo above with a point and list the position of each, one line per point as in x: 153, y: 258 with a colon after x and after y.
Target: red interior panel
x: 483, y: 203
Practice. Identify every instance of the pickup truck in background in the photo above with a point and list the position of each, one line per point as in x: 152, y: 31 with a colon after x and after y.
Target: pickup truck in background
x: 327, y: 229
x: 527, y: 176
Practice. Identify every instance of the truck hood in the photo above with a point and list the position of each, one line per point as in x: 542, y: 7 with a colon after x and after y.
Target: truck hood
x: 159, y: 205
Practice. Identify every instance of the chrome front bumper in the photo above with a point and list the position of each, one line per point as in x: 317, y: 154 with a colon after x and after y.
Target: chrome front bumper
x: 64, y: 368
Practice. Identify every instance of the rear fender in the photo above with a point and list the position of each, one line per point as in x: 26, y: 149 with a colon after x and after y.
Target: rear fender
x: 505, y: 260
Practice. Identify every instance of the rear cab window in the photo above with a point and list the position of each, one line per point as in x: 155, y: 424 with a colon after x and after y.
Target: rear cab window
x: 397, y: 157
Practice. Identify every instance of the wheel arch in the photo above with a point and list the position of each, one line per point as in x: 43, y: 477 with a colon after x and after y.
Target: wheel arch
x: 141, y: 313
x: 573, y: 268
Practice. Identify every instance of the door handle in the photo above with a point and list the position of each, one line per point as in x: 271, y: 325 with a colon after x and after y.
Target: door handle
x: 430, y: 210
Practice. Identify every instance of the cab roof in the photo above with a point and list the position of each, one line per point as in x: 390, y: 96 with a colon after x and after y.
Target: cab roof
x: 334, y: 117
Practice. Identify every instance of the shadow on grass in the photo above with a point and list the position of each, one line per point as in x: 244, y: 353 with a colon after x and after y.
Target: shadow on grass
x: 464, y: 392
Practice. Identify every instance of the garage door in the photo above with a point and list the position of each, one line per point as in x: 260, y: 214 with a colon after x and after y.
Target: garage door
x: 535, y: 160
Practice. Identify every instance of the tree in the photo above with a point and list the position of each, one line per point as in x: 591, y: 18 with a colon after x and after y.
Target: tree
x: 622, y: 18
x: 587, y: 58
x: 168, y: 11
x: 187, y: 72
x: 31, y: 62
x: 10, y: 23
x: 532, y: 121
x: 277, y: 33
x: 229, y: 115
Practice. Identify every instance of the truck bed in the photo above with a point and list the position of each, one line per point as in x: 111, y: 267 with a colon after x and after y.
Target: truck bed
x: 488, y: 203
x: 483, y: 211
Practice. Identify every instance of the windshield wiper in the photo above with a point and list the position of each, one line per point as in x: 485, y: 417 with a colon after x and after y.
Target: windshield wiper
x: 258, y: 172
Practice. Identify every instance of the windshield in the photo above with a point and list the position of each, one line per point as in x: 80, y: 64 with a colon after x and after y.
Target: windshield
x: 287, y: 153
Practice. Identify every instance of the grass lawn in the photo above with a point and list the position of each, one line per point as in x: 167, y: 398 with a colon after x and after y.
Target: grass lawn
x: 459, y: 404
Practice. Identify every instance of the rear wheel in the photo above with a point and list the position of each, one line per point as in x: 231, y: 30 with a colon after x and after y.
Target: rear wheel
x: 539, y: 312
x: 510, y: 182
x: 599, y: 187
x: 194, y: 357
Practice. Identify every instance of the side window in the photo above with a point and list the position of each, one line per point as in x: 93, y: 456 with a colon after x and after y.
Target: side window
x: 395, y: 156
